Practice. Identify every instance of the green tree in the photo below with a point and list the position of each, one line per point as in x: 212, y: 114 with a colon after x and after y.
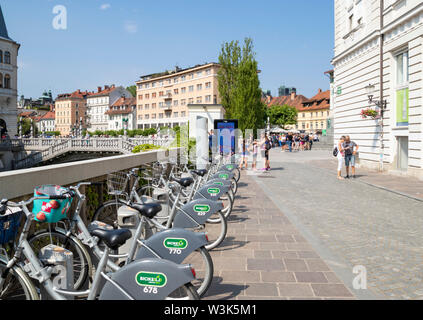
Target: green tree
x: 239, y: 85
x: 132, y: 90
x: 282, y: 115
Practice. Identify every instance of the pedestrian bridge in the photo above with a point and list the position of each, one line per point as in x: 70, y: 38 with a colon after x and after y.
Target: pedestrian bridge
x: 46, y: 149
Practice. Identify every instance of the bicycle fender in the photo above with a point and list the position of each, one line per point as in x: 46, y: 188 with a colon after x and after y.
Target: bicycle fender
x: 211, y: 192
x: 225, y: 175
x: 229, y: 167
x: 196, y: 213
x: 147, y: 279
x: 174, y: 244
x: 219, y: 182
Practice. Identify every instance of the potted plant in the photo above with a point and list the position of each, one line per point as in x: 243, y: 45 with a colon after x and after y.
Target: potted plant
x: 370, y: 113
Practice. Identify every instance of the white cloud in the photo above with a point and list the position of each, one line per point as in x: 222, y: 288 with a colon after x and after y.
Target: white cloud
x: 131, y: 27
x: 105, y: 6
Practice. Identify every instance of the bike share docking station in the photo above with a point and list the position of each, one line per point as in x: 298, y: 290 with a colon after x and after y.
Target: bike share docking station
x: 61, y: 262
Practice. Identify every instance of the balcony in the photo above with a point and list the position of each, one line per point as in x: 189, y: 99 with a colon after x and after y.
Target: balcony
x: 167, y: 96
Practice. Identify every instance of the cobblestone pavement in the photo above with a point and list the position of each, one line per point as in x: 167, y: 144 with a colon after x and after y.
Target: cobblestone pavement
x: 265, y: 257
x: 351, y: 223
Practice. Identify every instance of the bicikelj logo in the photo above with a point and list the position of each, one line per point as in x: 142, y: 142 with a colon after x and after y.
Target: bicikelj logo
x: 223, y: 176
x: 213, y: 190
x: 203, y: 208
x: 151, y: 279
x: 175, y: 243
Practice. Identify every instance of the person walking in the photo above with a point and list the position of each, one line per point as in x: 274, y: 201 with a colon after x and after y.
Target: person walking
x: 266, y: 145
x: 340, y: 156
x: 350, y: 151
x: 289, y: 139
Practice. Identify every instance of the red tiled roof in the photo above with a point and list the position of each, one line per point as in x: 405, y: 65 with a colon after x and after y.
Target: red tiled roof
x: 103, y: 92
x: 319, y: 102
x: 125, y: 102
x: 76, y: 94
x: 49, y: 115
x: 127, y: 110
x: 287, y: 100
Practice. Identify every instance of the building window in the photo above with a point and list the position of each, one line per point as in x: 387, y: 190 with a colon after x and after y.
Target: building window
x: 147, y: 106
x: 208, y: 99
x: 183, y: 78
x: 199, y: 87
x: 191, y: 88
x: 153, y: 106
x: 191, y: 101
x: 176, y: 91
x: 147, y: 85
x: 183, y: 90
x: 322, y: 124
x: 208, y: 71
x: 160, y: 115
x: 1, y: 56
x: 402, y: 90
x: 208, y: 85
x: 7, y: 81
x: 1, y: 80
x: 153, y: 85
x: 160, y: 104
x: 153, y: 116
x: 7, y: 57
x: 147, y: 96
x: 147, y: 117
x: 183, y: 114
x: 140, y: 97
x: 153, y: 95
x: 199, y: 73
x: 199, y: 100
x: 175, y: 80
x: 191, y: 76
x: 175, y: 114
x: 183, y: 102
x: 161, y: 93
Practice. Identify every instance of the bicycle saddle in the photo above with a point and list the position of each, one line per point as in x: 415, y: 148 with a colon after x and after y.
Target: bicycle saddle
x: 184, y: 182
x: 200, y: 173
x: 150, y: 210
x: 112, y: 238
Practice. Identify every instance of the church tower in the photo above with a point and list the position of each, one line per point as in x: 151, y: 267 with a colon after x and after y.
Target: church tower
x: 8, y: 80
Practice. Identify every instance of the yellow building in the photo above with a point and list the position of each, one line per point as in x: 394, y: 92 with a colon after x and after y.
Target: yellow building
x: 70, y: 112
x: 314, y: 113
x: 163, y: 98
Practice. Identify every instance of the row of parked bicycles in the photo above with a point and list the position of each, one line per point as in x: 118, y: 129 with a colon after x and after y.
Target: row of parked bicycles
x: 151, y: 241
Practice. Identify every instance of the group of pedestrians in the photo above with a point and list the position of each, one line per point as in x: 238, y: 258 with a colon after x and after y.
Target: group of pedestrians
x: 294, y: 141
x: 346, y: 152
x: 251, y: 148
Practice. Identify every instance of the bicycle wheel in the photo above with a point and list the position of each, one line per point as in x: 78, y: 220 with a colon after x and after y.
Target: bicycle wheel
x: 186, y: 292
x: 234, y: 185
x: 82, y: 265
x: 107, y: 213
x: 227, y: 209
x: 17, y: 285
x: 202, y: 263
x: 216, y: 233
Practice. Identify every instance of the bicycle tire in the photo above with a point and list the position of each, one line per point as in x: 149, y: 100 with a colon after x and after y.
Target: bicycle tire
x: 81, y: 257
x: 189, y: 289
x: 107, y: 213
x: 17, y: 275
x: 226, y: 211
x: 204, y: 285
x: 222, y: 235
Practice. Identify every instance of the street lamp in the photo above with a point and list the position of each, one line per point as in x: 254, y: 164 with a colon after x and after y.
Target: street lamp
x: 381, y: 104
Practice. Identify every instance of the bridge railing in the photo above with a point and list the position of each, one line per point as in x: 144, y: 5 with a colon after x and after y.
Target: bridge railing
x: 19, y: 184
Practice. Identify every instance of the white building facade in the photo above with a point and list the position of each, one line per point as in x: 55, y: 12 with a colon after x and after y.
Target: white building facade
x: 380, y: 43
x: 99, y: 103
x: 8, y: 80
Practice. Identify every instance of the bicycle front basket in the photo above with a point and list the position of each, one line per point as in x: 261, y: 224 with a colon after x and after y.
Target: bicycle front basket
x: 50, y: 211
x: 9, y: 226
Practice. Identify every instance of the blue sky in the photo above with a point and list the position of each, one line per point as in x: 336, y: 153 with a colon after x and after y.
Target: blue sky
x: 116, y: 41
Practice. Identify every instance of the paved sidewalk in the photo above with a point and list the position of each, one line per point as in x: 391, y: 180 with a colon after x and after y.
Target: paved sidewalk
x: 352, y: 223
x: 408, y: 186
x: 265, y: 257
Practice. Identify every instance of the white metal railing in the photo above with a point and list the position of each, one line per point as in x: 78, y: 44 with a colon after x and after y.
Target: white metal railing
x: 47, y: 149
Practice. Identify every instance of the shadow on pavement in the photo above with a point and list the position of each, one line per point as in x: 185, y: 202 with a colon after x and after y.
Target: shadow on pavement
x: 230, y: 244
x: 224, y: 291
